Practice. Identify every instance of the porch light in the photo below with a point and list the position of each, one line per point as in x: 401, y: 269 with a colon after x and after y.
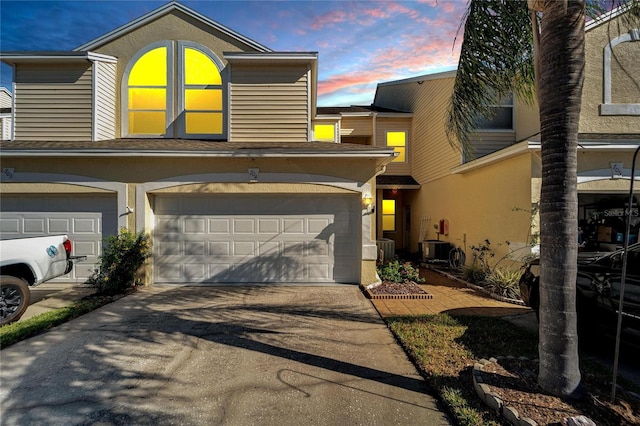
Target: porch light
x: 367, y: 202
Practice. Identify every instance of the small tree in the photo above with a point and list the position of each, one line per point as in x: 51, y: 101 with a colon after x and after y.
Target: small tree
x: 120, y: 262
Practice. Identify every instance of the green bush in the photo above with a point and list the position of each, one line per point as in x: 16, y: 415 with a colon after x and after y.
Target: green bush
x: 121, y: 262
x: 399, y: 272
x: 504, y: 281
x: 474, y: 273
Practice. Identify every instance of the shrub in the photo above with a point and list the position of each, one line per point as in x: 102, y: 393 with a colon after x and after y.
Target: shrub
x: 398, y: 272
x: 504, y: 281
x: 474, y: 273
x: 120, y: 262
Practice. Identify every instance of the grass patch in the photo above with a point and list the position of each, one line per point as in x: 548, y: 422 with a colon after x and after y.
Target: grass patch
x: 12, y: 333
x: 444, y: 348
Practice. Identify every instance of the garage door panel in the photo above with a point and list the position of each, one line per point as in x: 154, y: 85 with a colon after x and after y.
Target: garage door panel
x: 257, y: 238
x: 219, y: 226
x: 220, y: 248
x: 35, y: 227
x: 244, y: 226
x: 268, y: 226
x: 82, y: 217
x: 9, y: 226
x: 194, y: 226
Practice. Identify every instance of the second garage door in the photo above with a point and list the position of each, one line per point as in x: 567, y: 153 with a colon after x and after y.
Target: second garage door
x: 256, y: 239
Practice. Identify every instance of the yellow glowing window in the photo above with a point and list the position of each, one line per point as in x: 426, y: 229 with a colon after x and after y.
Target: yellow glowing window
x: 203, y: 101
x: 146, y: 122
x: 398, y: 140
x: 147, y: 93
x: 155, y: 80
x: 324, y: 132
x: 203, y: 122
x: 153, y: 99
x: 150, y: 69
x: 199, y: 69
x: 388, y: 215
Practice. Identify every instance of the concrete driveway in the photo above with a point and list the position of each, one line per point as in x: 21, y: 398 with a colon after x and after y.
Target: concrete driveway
x: 279, y: 355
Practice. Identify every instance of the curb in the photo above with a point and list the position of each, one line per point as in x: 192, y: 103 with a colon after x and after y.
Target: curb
x: 493, y: 400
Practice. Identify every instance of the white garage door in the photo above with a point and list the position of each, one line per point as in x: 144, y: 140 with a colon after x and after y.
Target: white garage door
x: 84, y: 218
x: 256, y: 239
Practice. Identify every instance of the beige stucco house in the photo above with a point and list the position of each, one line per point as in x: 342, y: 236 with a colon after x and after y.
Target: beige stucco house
x: 493, y: 195
x: 208, y: 140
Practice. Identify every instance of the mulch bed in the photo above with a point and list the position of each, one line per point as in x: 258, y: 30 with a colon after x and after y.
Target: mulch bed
x: 514, y: 380
x: 389, y: 290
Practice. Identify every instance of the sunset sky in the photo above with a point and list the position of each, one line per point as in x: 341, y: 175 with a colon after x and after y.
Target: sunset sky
x: 359, y: 43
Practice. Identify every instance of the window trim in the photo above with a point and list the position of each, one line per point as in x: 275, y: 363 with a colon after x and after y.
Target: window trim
x: 511, y: 105
x: 124, y: 91
x: 383, y: 214
x: 181, y: 87
x: 406, y: 145
x: 174, y: 113
x: 609, y: 108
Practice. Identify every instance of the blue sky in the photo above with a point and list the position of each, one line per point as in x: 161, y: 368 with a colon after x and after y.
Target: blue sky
x: 359, y: 43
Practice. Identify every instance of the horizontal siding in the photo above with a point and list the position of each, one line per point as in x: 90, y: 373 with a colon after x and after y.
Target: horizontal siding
x: 53, y: 103
x: 269, y: 104
x: 433, y: 157
x: 487, y: 142
x: 356, y: 126
x: 105, y: 124
x: 5, y: 100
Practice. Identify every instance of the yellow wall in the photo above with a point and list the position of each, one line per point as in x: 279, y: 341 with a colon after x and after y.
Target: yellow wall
x: 479, y: 205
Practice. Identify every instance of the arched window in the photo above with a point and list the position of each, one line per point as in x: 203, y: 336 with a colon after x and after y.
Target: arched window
x: 148, y: 91
x: 627, y: 74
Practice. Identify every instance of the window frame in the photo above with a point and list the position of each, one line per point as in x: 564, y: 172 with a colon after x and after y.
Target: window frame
x: 321, y: 123
x: 388, y: 215
x: 406, y: 145
x: 609, y: 108
x: 175, y: 125
x: 170, y: 92
x: 511, y: 105
x: 182, y: 87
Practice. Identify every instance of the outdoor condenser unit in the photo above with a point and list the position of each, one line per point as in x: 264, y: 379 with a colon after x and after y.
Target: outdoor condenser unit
x: 388, y: 248
x: 435, y: 250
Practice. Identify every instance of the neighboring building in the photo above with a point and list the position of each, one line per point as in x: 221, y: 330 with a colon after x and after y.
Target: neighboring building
x: 6, y: 101
x: 465, y: 201
x: 179, y: 126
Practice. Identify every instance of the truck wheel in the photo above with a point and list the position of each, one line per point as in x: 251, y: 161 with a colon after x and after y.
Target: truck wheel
x: 14, y: 298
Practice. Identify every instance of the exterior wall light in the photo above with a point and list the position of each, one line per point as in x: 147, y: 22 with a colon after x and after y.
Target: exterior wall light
x: 367, y: 203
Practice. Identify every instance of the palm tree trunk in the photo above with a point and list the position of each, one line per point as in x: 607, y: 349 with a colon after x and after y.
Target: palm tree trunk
x: 560, y: 91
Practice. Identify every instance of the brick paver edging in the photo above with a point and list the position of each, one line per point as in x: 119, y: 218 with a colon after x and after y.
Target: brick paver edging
x: 414, y: 296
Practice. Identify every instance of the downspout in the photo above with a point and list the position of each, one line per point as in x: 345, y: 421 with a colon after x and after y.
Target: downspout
x: 12, y: 129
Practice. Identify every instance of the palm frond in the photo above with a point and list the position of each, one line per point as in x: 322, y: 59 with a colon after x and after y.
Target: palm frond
x: 496, y: 60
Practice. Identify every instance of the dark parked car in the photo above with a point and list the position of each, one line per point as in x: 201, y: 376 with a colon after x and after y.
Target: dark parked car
x: 598, y: 288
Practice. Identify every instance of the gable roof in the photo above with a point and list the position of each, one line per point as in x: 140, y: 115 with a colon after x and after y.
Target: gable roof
x: 162, y: 11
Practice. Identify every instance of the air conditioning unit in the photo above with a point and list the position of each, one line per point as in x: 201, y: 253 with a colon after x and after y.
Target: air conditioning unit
x: 387, y: 247
x: 433, y: 250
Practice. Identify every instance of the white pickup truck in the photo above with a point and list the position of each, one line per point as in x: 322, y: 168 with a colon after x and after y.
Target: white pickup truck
x: 28, y: 262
